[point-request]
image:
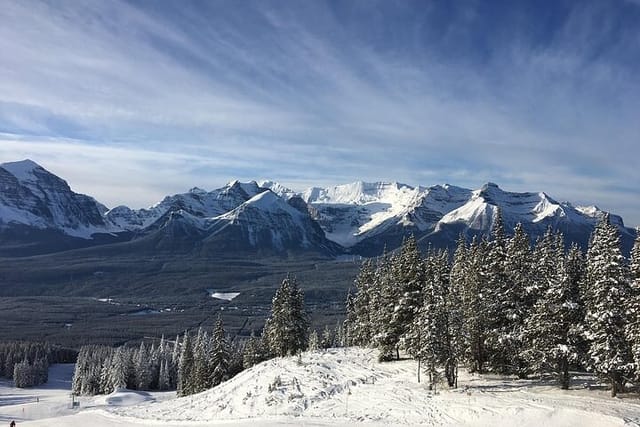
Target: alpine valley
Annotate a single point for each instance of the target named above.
(164, 265)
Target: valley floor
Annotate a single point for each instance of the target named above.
(332, 387)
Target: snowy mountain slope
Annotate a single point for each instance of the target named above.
(267, 221)
(360, 218)
(32, 196)
(196, 202)
(535, 211)
(351, 213)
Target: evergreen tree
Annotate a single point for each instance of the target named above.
(606, 312)
(119, 370)
(456, 340)
(186, 367)
(409, 281)
(474, 301)
(327, 338)
(286, 328)
(428, 334)
(252, 353)
(361, 328)
(220, 355)
(142, 369)
(498, 339)
(314, 341)
(514, 294)
(633, 328)
(201, 363)
(554, 327)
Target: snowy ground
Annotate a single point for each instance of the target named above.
(335, 387)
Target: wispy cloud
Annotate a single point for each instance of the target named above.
(170, 95)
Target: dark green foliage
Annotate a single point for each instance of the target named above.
(102, 369)
(285, 330)
(608, 289)
(32, 357)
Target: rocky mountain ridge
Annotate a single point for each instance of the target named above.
(266, 217)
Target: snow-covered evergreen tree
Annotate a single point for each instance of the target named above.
(554, 331)
(253, 353)
(456, 340)
(201, 364)
(314, 341)
(409, 281)
(327, 338)
(474, 301)
(186, 367)
(142, 368)
(633, 328)
(360, 327)
(285, 330)
(220, 355)
(513, 295)
(499, 308)
(606, 306)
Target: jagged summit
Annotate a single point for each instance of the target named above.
(23, 170)
(359, 217)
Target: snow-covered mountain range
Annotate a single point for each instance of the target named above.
(359, 218)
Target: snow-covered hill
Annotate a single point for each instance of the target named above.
(359, 218)
(342, 387)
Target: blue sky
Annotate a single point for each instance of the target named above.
(130, 101)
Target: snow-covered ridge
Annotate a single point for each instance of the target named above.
(349, 214)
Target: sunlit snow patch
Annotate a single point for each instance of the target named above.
(227, 296)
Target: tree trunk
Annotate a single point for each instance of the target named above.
(418, 370)
(614, 385)
(564, 372)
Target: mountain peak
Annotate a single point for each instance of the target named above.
(23, 169)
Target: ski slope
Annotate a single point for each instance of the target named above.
(335, 387)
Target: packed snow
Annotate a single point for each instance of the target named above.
(227, 296)
(332, 387)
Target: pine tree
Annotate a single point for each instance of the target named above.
(286, 328)
(201, 363)
(428, 334)
(220, 355)
(499, 319)
(554, 327)
(513, 295)
(606, 314)
(633, 328)
(252, 353)
(186, 367)
(142, 368)
(456, 340)
(119, 370)
(327, 338)
(408, 278)
(383, 296)
(314, 341)
(474, 301)
(164, 382)
(361, 328)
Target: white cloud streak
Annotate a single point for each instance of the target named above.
(129, 104)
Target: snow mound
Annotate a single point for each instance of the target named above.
(348, 386)
(125, 397)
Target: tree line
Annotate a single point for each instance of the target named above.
(27, 363)
(195, 362)
(506, 306)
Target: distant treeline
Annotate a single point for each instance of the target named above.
(195, 362)
(27, 363)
